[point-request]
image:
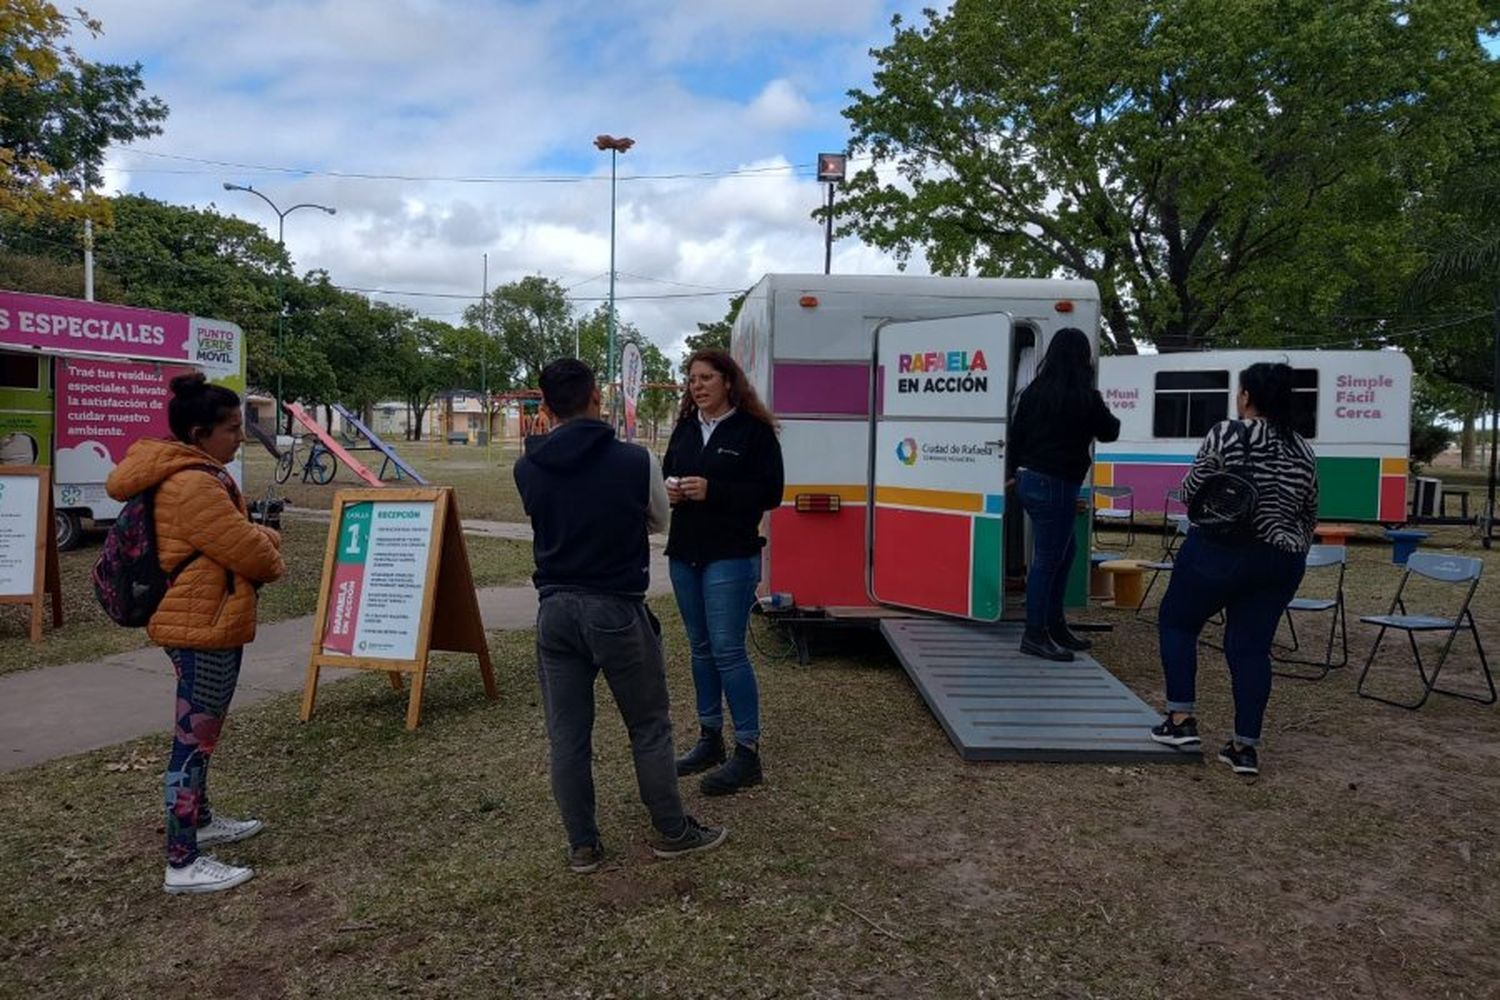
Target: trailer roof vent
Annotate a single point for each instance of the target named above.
(808, 302)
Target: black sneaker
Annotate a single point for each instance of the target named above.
(706, 753)
(1066, 638)
(587, 859)
(1177, 734)
(695, 837)
(742, 771)
(1244, 760)
(1042, 645)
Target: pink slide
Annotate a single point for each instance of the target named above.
(338, 450)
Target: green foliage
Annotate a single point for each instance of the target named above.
(713, 335)
(59, 113)
(533, 321)
(1213, 165)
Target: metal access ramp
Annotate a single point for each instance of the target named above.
(996, 704)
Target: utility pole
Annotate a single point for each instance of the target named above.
(831, 170)
(615, 146)
(484, 354)
(280, 292)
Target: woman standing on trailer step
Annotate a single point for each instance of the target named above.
(1250, 578)
(1057, 420)
(204, 535)
(723, 469)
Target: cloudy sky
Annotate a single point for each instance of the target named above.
(479, 118)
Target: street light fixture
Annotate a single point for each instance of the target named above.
(280, 297)
(615, 146)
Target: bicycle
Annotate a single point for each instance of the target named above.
(319, 467)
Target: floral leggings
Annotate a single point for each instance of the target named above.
(205, 683)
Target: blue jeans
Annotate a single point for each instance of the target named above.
(715, 600)
(1052, 505)
(1251, 583)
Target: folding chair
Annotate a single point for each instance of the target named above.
(1442, 569)
(1114, 513)
(1169, 556)
(1171, 519)
(1324, 558)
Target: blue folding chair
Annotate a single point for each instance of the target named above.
(1321, 560)
(1441, 568)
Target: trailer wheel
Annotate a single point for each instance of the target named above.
(69, 529)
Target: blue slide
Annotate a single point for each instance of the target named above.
(391, 458)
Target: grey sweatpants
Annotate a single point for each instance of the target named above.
(579, 635)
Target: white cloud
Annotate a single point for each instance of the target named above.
(469, 88)
(780, 106)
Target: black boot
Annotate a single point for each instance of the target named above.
(742, 771)
(1067, 639)
(708, 751)
(1039, 643)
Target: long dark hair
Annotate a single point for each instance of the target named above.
(742, 395)
(1269, 386)
(1065, 382)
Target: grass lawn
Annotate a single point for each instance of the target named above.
(480, 477)
(88, 635)
(1365, 862)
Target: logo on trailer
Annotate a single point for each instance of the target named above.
(906, 451)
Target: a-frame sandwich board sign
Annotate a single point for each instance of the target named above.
(29, 571)
(395, 557)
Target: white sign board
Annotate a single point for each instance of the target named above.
(941, 368)
(20, 499)
(380, 580)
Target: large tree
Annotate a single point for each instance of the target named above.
(59, 113)
(1210, 164)
(532, 320)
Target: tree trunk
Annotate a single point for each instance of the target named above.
(1466, 440)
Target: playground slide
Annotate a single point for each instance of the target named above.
(338, 450)
(259, 433)
(379, 445)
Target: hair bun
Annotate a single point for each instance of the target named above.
(190, 384)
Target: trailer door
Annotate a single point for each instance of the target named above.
(937, 476)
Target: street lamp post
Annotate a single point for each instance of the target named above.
(280, 296)
(616, 146)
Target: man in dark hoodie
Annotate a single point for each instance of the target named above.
(592, 501)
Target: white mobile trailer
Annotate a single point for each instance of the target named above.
(894, 395)
(1354, 407)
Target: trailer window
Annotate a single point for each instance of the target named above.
(1305, 402)
(20, 371)
(1187, 404)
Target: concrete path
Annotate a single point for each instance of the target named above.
(59, 711)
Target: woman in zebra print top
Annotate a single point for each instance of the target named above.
(1252, 580)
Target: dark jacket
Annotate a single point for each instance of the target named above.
(589, 497)
(742, 463)
(1058, 444)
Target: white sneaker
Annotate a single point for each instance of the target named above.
(206, 874)
(223, 830)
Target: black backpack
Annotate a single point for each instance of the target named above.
(1224, 505)
(128, 579)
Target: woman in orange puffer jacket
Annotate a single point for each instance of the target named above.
(219, 559)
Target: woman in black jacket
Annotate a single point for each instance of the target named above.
(1057, 420)
(723, 469)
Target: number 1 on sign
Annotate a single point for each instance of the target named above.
(353, 549)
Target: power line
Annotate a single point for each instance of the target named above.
(779, 170)
(572, 298)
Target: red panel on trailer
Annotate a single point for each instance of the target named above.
(820, 558)
(1392, 498)
(939, 581)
